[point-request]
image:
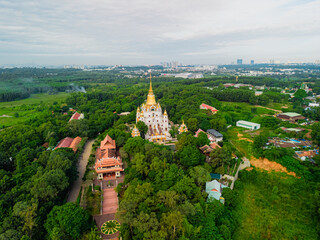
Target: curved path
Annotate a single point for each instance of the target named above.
(81, 166)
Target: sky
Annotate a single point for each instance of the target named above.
(134, 32)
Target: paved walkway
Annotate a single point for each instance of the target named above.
(110, 201)
(81, 166)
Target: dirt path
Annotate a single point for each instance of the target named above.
(278, 111)
(308, 134)
(245, 139)
(267, 165)
(81, 166)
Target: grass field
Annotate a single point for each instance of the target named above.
(37, 99)
(273, 206)
(18, 113)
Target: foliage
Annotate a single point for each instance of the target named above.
(143, 128)
(315, 134)
(68, 221)
(283, 213)
(260, 141)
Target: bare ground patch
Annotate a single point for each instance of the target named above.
(267, 165)
(245, 139)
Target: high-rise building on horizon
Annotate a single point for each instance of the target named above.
(239, 61)
(252, 62)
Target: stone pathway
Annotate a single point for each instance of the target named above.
(81, 166)
(110, 201)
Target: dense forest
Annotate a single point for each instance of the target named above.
(163, 194)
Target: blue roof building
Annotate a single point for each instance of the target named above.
(214, 189)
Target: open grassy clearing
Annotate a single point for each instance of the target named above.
(13, 113)
(273, 206)
(37, 99)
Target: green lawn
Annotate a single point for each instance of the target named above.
(36, 99)
(26, 108)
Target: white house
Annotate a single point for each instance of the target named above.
(218, 137)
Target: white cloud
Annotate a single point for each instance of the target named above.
(141, 31)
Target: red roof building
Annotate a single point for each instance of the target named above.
(108, 165)
(207, 107)
(199, 131)
(69, 143)
(76, 116)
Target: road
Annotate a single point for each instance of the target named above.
(81, 166)
(275, 110)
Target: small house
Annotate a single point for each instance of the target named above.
(76, 116)
(218, 137)
(214, 189)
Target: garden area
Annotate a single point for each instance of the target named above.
(110, 227)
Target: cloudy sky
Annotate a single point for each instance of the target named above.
(58, 32)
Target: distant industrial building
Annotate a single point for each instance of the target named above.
(239, 61)
(249, 125)
(189, 75)
(290, 117)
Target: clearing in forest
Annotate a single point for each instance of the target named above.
(268, 165)
(246, 139)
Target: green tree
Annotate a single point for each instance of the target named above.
(192, 124)
(315, 134)
(200, 175)
(134, 145)
(190, 156)
(300, 94)
(260, 141)
(172, 223)
(219, 124)
(79, 127)
(68, 221)
(143, 128)
(202, 139)
(46, 185)
(27, 212)
(270, 122)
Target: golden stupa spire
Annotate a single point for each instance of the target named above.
(151, 100)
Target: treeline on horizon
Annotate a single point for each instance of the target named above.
(20, 83)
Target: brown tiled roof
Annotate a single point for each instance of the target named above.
(108, 142)
(215, 145)
(64, 143)
(69, 143)
(74, 143)
(108, 162)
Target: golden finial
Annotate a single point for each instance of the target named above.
(150, 83)
(151, 100)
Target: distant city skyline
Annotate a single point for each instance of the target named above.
(144, 32)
